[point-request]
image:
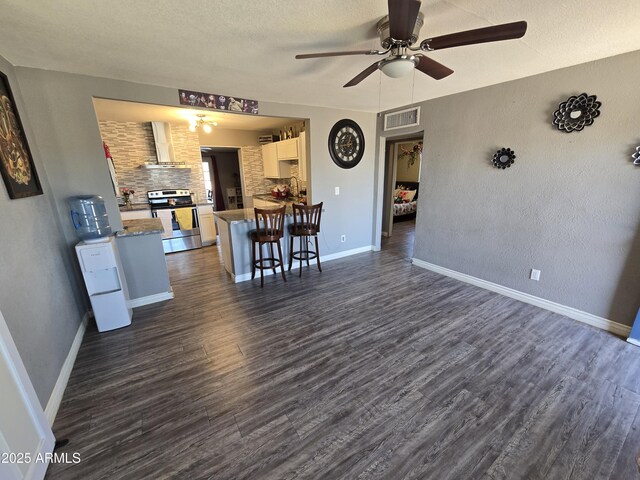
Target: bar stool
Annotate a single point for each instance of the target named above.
(272, 231)
(306, 223)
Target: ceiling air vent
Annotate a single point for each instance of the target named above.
(402, 119)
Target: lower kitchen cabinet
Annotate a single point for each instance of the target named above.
(207, 225)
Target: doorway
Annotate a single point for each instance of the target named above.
(402, 168)
(25, 435)
(222, 178)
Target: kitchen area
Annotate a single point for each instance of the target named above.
(168, 167)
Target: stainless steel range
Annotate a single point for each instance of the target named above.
(179, 216)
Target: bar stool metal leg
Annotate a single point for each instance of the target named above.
(317, 253)
(273, 257)
(253, 260)
(281, 262)
(261, 265)
(290, 251)
(300, 255)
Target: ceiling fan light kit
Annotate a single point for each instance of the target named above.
(399, 31)
(200, 122)
(398, 66)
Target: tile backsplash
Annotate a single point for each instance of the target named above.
(131, 145)
(253, 174)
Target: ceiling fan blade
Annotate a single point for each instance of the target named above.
(432, 68)
(362, 75)
(337, 54)
(402, 18)
(506, 31)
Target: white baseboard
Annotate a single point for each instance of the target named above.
(323, 258)
(55, 399)
(574, 313)
(149, 299)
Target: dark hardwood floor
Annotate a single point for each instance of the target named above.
(373, 368)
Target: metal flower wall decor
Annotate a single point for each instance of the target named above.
(504, 158)
(576, 113)
(636, 156)
(413, 154)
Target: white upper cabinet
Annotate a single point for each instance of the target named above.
(273, 165)
(287, 149)
(302, 156)
(270, 161)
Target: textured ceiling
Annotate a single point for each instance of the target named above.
(246, 47)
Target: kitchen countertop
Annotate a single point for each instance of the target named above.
(243, 215)
(145, 206)
(135, 206)
(286, 200)
(141, 226)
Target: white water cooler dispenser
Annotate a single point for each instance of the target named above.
(107, 287)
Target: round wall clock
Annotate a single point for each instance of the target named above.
(346, 143)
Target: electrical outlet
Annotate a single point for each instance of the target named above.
(337, 190)
(535, 275)
(343, 238)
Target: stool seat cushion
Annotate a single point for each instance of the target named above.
(299, 230)
(256, 235)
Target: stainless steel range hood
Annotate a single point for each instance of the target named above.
(164, 148)
(162, 138)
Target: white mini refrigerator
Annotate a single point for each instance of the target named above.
(107, 287)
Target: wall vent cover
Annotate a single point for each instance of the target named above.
(402, 119)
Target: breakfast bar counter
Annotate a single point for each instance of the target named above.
(234, 227)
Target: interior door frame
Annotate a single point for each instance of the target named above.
(390, 172)
(211, 153)
(9, 354)
(380, 176)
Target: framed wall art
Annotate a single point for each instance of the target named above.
(218, 102)
(16, 163)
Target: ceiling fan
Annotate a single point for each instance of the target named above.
(399, 32)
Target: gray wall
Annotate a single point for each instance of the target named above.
(64, 122)
(350, 213)
(36, 298)
(569, 206)
(41, 291)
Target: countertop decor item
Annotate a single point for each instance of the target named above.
(280, 191)
(16, 163)
(636, 156)
(576, 113)
(346, 143)
(504, 158)
(127, 193)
